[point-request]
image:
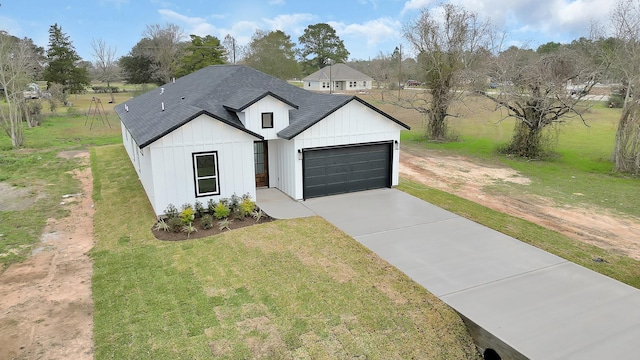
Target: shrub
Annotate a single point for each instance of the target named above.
(175, 224)
(211, 206)
(206, 222)
(257, 214)
(246, 207)
(189, 228)
(199, 209)
(161, 225)
(224, 224)
(234, 203)
(221, 210)
(171, 211)
(187, 215)
(616, 101)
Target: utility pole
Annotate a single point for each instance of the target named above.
(399, 69)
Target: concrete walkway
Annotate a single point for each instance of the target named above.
(280, 206)
(516, 299)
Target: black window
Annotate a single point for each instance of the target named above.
(267, 120)
(205, 169)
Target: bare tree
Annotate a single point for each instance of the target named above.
(17, 65)
(380, 69)
(165, 47)
(448, 47)
(625, 20)
(106, 63)
(539, 91)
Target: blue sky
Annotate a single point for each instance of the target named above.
(367, 27)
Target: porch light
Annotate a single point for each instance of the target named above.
(396, 144)
(299, 154)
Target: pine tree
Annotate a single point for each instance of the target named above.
(63, 63)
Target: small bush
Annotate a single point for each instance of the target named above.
(189, 228)
(246, 207)
(187, 215)
(161, 225)
(200, 210)
(258, 215)
(211, 206)
(171, 211)
(221, 211)
(224, 224)
(206, 222)
(616, 101)
(175, 224)
(234, 203)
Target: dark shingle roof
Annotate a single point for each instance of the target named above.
(219, 91)
(337, 72)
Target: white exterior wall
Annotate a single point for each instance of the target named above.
(359, 85)
(252, 117)
(282, 165)
(170, 174)
(354, 123)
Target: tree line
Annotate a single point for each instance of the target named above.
(455, 54)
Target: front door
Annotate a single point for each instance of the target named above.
(261, 163)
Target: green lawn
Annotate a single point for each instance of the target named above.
(45, 176)
(578, 172)
(284, 289)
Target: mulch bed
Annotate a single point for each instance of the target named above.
(235, 224)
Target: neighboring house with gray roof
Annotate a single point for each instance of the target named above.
(338, 77)
(229, 129)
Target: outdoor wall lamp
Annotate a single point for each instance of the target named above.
(299, 154)
(396, 144)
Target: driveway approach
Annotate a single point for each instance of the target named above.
(528, 300)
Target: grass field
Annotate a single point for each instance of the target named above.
(578, 172)
(296, 288)
(285, 289)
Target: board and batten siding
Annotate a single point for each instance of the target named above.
(282, 165)
(252, 118)
(353, 123)
(171, 173)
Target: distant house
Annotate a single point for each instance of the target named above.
(229, 129)
(338, 77)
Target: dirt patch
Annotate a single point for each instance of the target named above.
(13, 198)
(47, 308)
(467, 179)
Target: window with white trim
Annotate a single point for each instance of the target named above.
(205, 171)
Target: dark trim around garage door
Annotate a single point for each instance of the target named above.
(346, 168)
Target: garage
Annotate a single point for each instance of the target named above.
(344, 169)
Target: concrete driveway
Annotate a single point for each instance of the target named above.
(526, 302)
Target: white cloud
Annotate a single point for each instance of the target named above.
(277, 2)
(415, 4)
(292, 24)
(374, 31)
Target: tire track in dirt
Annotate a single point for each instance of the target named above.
(46, 307)
(466, 179)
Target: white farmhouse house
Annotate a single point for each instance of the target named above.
(229, 129)
(338, 77)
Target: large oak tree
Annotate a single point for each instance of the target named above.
(320, 46)
(272, 53)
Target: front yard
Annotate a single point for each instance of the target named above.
(283, 289)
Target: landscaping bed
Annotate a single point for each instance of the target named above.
(201, 233)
